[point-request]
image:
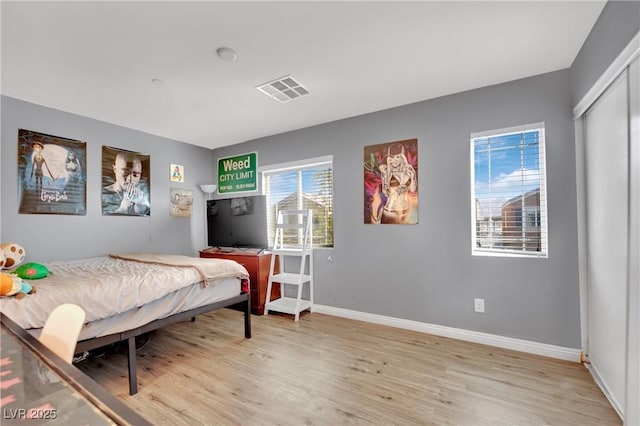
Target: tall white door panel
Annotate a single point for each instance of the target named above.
(632, 407)
(607, 185)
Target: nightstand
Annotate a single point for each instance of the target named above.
(257, 263)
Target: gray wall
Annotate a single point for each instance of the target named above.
(58, 237)
(425, 272)
(618, 23)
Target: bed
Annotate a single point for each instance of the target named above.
(126, 295)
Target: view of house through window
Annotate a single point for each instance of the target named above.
(306, 185)
(508, 190)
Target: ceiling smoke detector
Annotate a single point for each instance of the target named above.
(283, 89)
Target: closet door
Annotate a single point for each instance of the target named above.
(607, 185)
(632, 407)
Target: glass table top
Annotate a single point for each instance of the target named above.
(31, 389)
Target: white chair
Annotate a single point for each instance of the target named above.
(60, 332)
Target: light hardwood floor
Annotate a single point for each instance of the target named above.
(326, 370)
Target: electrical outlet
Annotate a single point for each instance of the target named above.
(478, 305)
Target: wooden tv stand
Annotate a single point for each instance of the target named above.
(257, 263)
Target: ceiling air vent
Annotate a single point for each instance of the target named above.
(283, 89)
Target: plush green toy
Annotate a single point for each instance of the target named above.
(31, 271)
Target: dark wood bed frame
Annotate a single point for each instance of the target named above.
(241, 302)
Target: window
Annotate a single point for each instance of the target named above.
(508, 192)
(302, 185)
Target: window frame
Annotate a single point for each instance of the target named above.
(542, 218)
(298, 165)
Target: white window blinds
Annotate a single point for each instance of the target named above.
(508, 192)
(307, 185)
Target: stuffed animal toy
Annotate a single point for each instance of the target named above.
(11, 255)
(31, 271)
(13, 285)
(7, 285)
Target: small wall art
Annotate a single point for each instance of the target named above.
(51, 174)
(181, 202)
(177, 173)
(391, 183)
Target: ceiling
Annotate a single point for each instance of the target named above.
(152, 66)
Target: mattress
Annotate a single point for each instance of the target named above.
(119, 294)
(181, 300)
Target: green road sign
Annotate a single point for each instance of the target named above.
(238, 174)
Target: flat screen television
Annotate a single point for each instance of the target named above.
(238, 222)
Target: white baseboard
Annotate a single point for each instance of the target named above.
(552, 351)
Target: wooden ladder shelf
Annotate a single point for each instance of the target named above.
(293, 240)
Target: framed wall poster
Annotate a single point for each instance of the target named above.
(181, 202)
(51, 174)
(391, 183)
(126, 182)
(176, 173)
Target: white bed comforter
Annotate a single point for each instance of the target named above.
(106, 286)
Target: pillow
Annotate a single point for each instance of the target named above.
(31, 271)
